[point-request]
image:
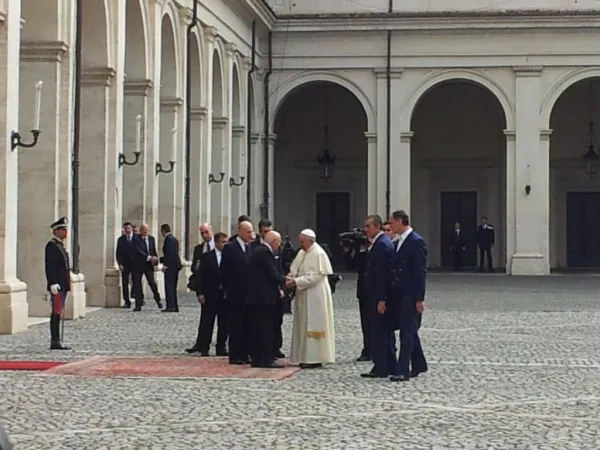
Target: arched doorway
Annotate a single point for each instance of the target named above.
(458, 171)
(575, 183)
(313, 118)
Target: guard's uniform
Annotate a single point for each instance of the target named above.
(58, 277)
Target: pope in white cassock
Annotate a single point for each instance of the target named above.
(313, 336)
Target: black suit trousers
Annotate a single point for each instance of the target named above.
(263, 319)
(239, 332)
(278, 334)
(213, 308)
(171, 280)
(365, 325)
(126, 275)
(147, 271)
(485, 253)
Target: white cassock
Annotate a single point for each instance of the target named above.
(313, 335)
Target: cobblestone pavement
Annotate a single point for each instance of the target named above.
(514, 364)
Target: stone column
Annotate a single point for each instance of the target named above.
(400, 171)
(13, 292)
(531, 256)
(271, 178)
(135, 102)
(210, 34)
(381, 164)
(98, 183)
(238, 172)
(257, 176)
(218, 161)
(511, 193)
(371, 171)
(198, 173)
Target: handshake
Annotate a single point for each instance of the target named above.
(289, 282)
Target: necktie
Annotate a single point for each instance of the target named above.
(247, 247)
(147, 244)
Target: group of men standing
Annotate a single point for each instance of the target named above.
(392, 269)
(240, 282)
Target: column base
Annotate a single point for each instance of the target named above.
(112, 288)
(529, 264)
(14, 310)
(77, 298)
(159, 277)
(184, 276)
(96, 296)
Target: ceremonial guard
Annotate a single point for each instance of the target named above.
(58, 277)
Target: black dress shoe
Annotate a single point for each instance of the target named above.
(372, 375)
(137, 309)
(193, 349)
(205, 354)
(238, 362)
(58, 346)
(363, 358)
(415, 373)
(279, 355)
(398, 378)
(170, 310)
(311, 366)
(222, 353)
(268, 366)
(127, 305)
(159, 304)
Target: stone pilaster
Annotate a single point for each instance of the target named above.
(272, 138)
(210, 35)
(371, 171)
(13, 292)
(257, 177)
(511, 197)
(381, 164)
(237, 179)
(532, 210)
(198, 171)
(218, 160)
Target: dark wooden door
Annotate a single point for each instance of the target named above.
(458, 207)
(583, 229)
(333, 218)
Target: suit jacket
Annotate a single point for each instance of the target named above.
(485, 236)
(266, 278)
(57, 265)
(458, 241)
(377, 270)
(234, 271)
(141, 251)
(408, 270)
(171, 257)
(125, 251)
(208, 280)
(359, 260)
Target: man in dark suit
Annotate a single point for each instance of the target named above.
(145, 259)
(485, 242)
(264, 294)
(207, 244)
(235, 276)
(125, 253)
(58, 279)
(376, 285)
(171, 267)
(457, 245)
(408, 272)
(242, 218)
(211, 296)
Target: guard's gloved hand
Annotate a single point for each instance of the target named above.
(55, 289)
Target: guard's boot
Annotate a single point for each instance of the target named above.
(55, 343)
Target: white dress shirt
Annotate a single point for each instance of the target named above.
(375, 239)
(402, 238)
(219, 255)
(242, 243)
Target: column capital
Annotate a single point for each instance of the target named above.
(395, 73)
(230, 49)
(528, 71)
(48, 51)
(139, 88)
(246, 63)
(185, 15)
(407, 136)
(545, 135)
(371, 137)
(198, 113)
(170, 103)
(238, 131)
(255, 138)
(272, 137)
(220, 122)
(210, 34)
(510, 135)
(99, 76)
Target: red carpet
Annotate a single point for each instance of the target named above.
(172, 367)
(29, 365)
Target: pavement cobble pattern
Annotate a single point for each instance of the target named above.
(514, 364)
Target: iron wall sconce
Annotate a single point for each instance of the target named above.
(15, 140)
(527, 189)
(232, 181)
(213, 179)
(123, 159)
(159, 167)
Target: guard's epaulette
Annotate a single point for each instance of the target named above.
(490, 227)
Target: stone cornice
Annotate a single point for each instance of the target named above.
(50, 51)
(170, 103)
(238, 131)
(371, 137)
(220, 122)
(528, 71)
(436, 21)
(395, 73)
(230, 49)
(97, 76)
(407, 136)
(198, 113)
(137, 87)
(545, 135)
(3, 16)
(510, 135)
(255, 138)
(255, 8)
(210, 34)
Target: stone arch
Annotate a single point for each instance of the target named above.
(41, 20)
(97, 46)
(236, 94)
(282, 92)
(438, 78)
(196, 66)
(170, 85)
(137, 59)
(560, 86)
(218, 83)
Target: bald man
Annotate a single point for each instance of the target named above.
(145, 259)
(264, 292)
(235, 277)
